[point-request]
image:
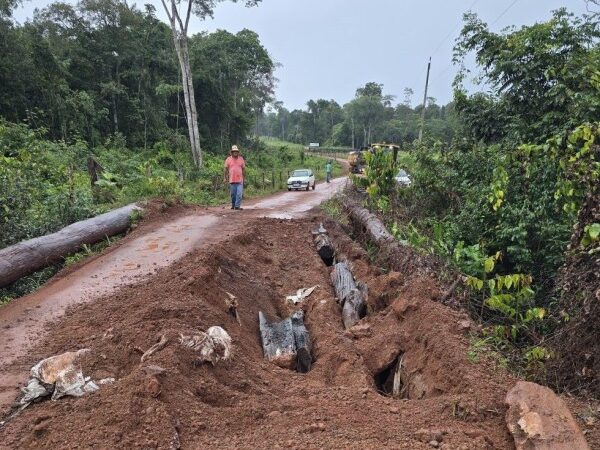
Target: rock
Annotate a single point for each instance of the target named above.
(464, 325)
(359, 330)
(153, 370)
(539, 420)
(313, 427)
(153, 387)
(434, 444)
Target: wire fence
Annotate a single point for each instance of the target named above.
(265, 180)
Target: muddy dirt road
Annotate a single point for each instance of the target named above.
(23, 321)
(449, 398)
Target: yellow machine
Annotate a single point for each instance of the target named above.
(395, 148)
(356, 161)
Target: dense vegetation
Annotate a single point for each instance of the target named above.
(500, 199)
(104, 67)
(101, 80)
(370, 117)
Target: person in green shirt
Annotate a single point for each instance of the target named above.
(328, 170)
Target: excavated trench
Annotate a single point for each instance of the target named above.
(407, 348)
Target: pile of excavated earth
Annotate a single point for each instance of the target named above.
(400, 377)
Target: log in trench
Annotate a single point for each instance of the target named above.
(26, 257)
(350, 295)
(286, 343)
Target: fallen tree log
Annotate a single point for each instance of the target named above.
(373, 226)
(349, 295)
(286, 343)
(400, 257)
(26, 257)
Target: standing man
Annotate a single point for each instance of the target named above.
(235, 170)
(328, 170)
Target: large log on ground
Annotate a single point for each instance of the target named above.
(349, 295)
(286, 343)
(374, 227)
(401, 258)
(26, 257)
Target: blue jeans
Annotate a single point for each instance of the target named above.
(237, 191)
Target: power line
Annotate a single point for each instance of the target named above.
(504, 12)
(454, 30)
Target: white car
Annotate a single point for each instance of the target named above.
(301, 179)
(403, 178)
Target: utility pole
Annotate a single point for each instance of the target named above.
(424, 101)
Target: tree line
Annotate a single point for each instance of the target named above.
(371, 116)
(105, 68)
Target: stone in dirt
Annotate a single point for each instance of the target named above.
(539, 420)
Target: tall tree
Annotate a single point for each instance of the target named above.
(179, 27)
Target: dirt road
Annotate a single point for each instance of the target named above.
(24, 320)
(451, 397)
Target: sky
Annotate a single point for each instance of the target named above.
(329, 48)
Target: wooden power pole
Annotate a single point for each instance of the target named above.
(424, 101)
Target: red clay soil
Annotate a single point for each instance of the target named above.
(248, 402)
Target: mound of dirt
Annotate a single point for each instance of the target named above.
(170, 402)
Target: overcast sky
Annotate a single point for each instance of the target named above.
(328, 48)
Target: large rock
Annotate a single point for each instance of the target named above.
(539, 420)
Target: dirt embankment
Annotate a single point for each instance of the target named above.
(448, 401)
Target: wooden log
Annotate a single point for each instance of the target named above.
(349, 295)
(287, 343)
(26, 257)
(278, 342)
(373, 226)
(302, 341)
(325, 248)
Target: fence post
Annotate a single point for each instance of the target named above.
(280, 179)
(264, 186)
(272, 178)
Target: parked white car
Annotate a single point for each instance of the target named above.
(403, 178)
(301, 179)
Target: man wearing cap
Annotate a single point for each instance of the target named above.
(235, 170)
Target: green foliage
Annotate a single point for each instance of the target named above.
(103, 67)
(379, 178)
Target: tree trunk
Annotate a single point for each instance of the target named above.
(181, 47)
(302, 341)
(325, 248)
(26, 257)
(349, 295)
(286, 343)
(374, 227)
